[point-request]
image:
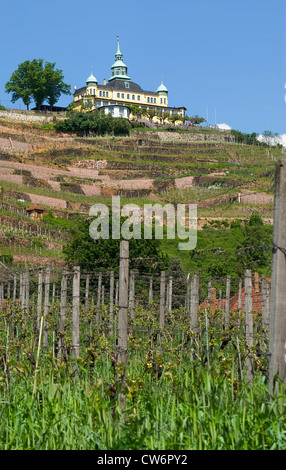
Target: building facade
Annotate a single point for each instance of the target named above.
(120, 92)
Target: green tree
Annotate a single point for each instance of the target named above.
(254, 250)
(94, 122)
(104, 254)
(195, 120)
(174, 118)
(151, 113)
(37, 81)
(54, 83)
(20, 84)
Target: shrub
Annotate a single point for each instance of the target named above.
(93, 122)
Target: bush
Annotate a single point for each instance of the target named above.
(93, 122)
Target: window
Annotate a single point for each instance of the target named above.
(164, 100)
(100, 93)
(126, 84)
(133, 97)
(122, 95)
(151, 100)
(155, 100)
(161, 100)
(148, 100)
(118, 95)
(106, 94)
(128, 96)
(138, 97)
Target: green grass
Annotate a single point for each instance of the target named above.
(173, 402)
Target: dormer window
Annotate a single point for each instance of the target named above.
(126, 84)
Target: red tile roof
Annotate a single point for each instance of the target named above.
(34, 208)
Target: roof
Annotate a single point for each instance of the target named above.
(91, 79)
(162, 88)
(34, 208)
(119, 84)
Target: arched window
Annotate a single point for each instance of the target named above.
(118, 95)
(128, 96)
(138, 97)
(122, 95)
(133, 97)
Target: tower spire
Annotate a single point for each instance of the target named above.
(119, 69)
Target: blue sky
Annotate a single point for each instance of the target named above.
(221, 59)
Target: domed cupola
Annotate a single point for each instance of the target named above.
(119, 69)
(91, 80)
(162, 90)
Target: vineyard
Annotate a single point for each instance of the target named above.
(130, 359)
(105, 352)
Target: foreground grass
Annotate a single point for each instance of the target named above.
(187, 411)
(190, 396)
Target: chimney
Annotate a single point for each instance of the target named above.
(104, 81)
(256, 282)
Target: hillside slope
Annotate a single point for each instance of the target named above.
(66, 174)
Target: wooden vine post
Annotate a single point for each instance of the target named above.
(75, 311)
(248, 324)
(98, 298)
(162, 310)
(15, 289)
(150, 297)
(227, 298)
(123, 316)
(194, 302)
(86, 293)
(46, 304)
(40, 298)
(111, 295)
(170, 294)
(64, 285)
(277, 337)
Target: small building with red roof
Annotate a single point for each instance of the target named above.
(35, 212)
